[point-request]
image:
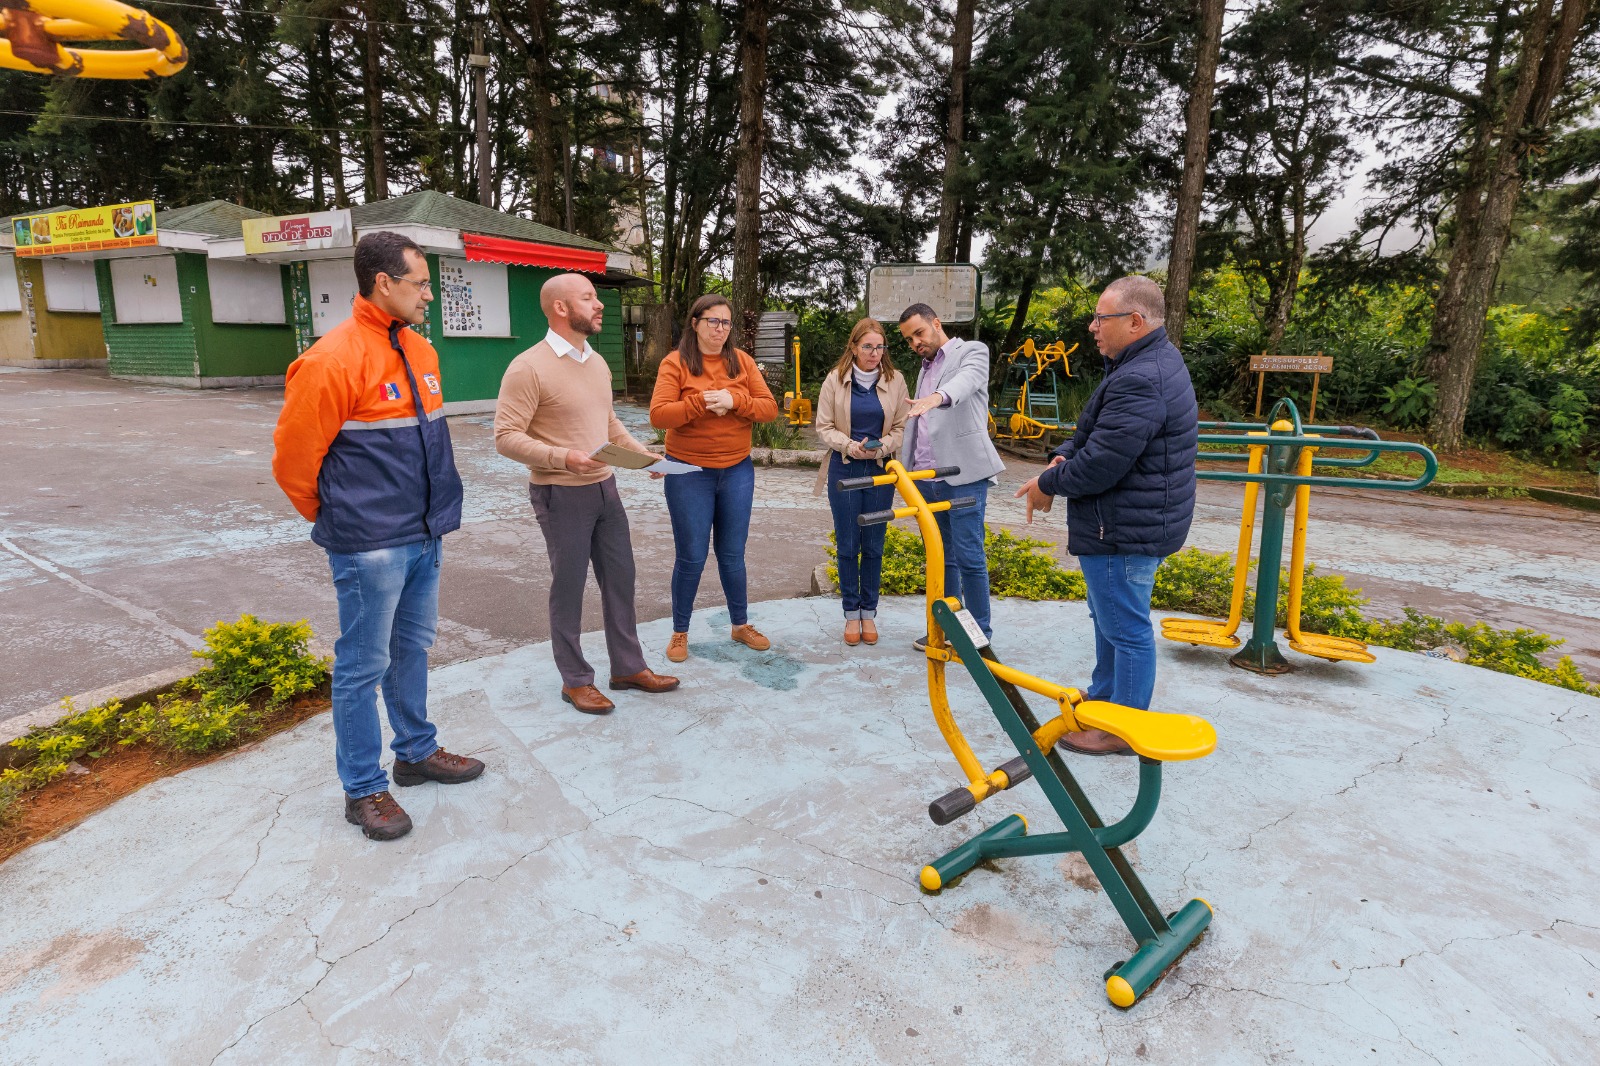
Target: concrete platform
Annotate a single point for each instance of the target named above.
(1402, 858)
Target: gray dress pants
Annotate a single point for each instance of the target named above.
(584, 524)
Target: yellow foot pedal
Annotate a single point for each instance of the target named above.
(1334, 649)
(1198, 631)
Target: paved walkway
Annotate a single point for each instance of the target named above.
(1401, 857)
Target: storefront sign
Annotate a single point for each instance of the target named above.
(92, 229)
(298, 233)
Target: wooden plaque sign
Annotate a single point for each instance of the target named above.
(1305, 364)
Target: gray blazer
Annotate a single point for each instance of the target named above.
(960, 432)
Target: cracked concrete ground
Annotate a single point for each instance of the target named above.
(136, 516)
(1401, 857)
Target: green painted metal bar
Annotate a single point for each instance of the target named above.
(1261, 655)
(1013, 847)
(1115, 883)
(1152, 959)
(1140, 814)
(964, 856)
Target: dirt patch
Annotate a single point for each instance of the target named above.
(1006, 934)
(1075, 868)
(62, 804)
(80, 962)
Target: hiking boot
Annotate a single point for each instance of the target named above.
(587, 699)
(678, 647)
(378, 815)
(441, 766)
(1095, 742)
(645, 680)
(750, 637)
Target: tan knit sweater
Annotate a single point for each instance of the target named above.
(549, 404)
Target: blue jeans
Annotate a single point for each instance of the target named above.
(860, 549)
(1124, 641)
(388, 610)
(710, 507)
(966, 567)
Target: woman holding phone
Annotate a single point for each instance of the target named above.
(708, 393)
(861, 418)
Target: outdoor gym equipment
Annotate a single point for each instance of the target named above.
(795, 404)
(1273, 450)
(31, 32)
(1029, 404)
(954, 636)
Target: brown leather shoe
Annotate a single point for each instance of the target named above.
(441, 766)
(587, 699)
(378, 815)
(869, 631)
(646, 680)
(852, 631)
(678, 647)
(1096, 742)
(750, 637)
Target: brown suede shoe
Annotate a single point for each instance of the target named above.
(1095, 742)
(678, 647)
(750, 637)
(441, 766)
(378, 815)
(869, 631)
(852, 631)
(587, 699)
(646, 680)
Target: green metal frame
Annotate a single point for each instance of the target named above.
(1260, 654)
(1161, 938)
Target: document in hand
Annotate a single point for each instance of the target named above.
(628, 459)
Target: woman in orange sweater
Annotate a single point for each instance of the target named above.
(708, 393)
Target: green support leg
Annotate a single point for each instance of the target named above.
(1261, 654)
(953, 864)
(1127, 981)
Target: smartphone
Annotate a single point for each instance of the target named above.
(871, 444)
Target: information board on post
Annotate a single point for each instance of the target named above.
(951, 289)
(1315, 365)
(312, 231)
(92, 229)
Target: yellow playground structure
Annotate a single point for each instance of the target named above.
(32, 32)
(954, 637)
(795, 405)
(1028, 405)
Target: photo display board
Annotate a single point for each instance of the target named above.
(146, 290)
(474, 299)
(10, 294)
(333, 290)
(69, 285)
(951, 289)
(249, 293)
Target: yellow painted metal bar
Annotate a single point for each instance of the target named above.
(1247, 533)
(1297, 543)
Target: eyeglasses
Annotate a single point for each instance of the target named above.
(1095, 320)
(868, 349)
(425, 285)
(718, 323)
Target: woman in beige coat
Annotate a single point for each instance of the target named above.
(861, 418)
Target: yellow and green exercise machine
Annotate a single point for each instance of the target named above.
(953, 636)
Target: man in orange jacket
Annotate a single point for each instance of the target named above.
(362, 449)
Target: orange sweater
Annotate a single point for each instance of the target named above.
(694, 434)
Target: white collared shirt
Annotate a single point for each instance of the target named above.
(559, 343)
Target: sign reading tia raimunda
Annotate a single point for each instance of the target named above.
(298, 233)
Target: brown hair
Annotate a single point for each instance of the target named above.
(689, 341)
(862, 328)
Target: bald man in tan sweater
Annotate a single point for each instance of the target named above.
(554, 410)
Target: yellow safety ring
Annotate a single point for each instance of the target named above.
(931, 879)
(31, 32)
(1119, 992)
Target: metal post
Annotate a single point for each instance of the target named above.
(479, 62)
(1261, 654)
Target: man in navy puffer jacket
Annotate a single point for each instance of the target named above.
(1128, 475)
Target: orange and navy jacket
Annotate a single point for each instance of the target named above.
(362, 447)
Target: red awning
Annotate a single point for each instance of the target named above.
(482, 249)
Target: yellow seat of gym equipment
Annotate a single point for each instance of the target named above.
(1165, 737)
(1198, 631)
(1334, 649)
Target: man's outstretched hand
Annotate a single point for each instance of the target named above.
(1038, 500)
(926, 404)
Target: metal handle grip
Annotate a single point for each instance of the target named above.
(949, 807)
(1016, 771)
(846, 484)
(963, 503)
(946, 471)
(874, 518)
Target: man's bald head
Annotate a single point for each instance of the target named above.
(1139, 293)
(571, 305)
(1128, 309)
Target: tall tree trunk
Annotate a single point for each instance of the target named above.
(754, 31)
(1461, 310)
(377, 171)
(955, 134)
(538, 87)
(1191, 187)
(1288, 280)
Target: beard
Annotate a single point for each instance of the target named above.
(588, 326)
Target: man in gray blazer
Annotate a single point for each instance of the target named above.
(948, 425)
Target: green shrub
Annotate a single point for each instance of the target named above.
(775, 434)
(192, 722)
(253, 658)
(1409, 402)
(44, 754)
(1197, 582)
